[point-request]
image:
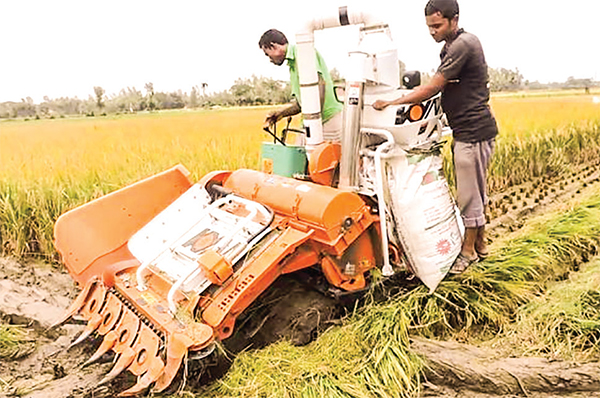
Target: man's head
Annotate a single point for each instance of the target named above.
(441, 17)
(274, 45)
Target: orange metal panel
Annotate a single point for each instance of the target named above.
(254, 278)
(215, 267)
(323, 162)
(104, 225)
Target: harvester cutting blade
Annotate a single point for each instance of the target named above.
(76, 305)
(125, 359)
(155, 370)
(92, 325)
(109, 341)
(126, 330)
(147, 347)
(177, 348)
(111, 314)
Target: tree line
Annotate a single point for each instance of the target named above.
(244, 92)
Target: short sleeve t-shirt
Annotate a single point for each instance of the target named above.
(331, 105)
(465, 98)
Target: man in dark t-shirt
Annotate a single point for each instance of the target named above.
(462, 78)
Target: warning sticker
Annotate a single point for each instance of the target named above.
(267, 166)
(303, 188)
(149, 298)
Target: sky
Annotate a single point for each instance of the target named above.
(63, 48)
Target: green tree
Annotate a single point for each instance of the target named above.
(150, 96)
(99, 92)
(243, 91)
(194, 97)
(505, 79)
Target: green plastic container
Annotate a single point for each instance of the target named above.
(283, 160)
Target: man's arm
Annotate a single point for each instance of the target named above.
(294, 107)
(290, 110)
(421, 93)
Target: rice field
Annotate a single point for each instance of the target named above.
(543, 136)
(48, 167)
(51, 166)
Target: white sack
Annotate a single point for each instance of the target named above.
(427, 222)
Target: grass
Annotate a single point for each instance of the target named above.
(563, 323)
(366, 357)
(14, 341)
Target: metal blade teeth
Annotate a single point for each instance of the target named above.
(136, 341)
(125, 359)
(92, 325)
(177, 348)
(156, 369)
(76, 305)
(108, 343)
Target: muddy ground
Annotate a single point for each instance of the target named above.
(36, 294)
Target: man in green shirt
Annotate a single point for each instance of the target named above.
(275, 46)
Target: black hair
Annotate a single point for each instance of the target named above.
(448, 8)
(272, 36)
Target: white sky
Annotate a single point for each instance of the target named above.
(66, 47)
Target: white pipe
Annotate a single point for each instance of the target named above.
(387, 268)
(309, 88)
(307, 68)
(342, 16)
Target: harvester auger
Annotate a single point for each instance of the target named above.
(166, 265)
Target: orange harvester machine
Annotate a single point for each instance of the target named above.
(166, 266)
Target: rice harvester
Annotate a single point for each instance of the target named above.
(167, 265)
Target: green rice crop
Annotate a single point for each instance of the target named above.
(564, 322)
(367, 356)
